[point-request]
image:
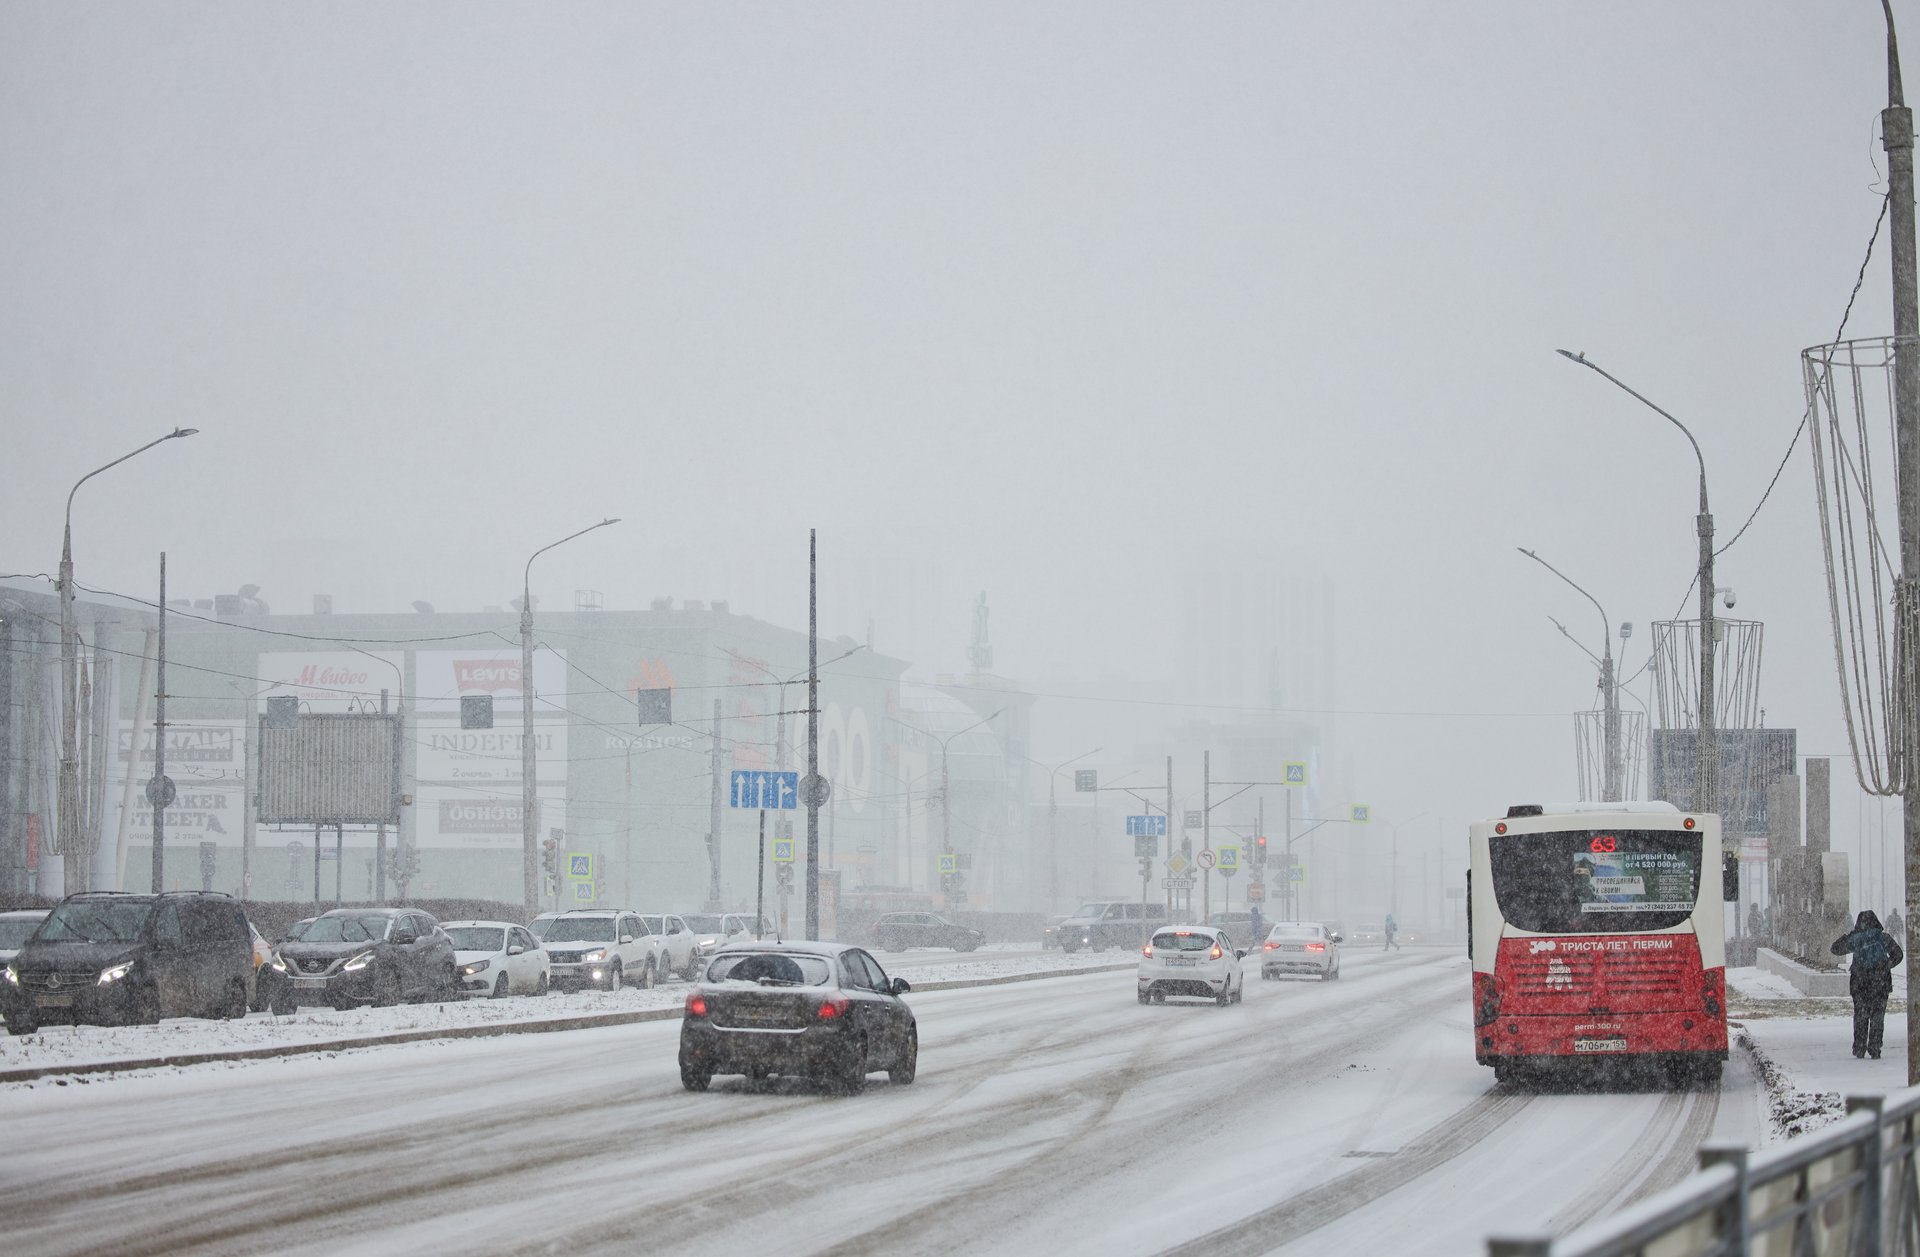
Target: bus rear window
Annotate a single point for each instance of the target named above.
(1595, 881)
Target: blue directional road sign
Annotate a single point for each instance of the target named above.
(1146, 827)
(765, 790)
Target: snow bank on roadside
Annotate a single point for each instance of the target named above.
(1801, 1048)
(57, 1047)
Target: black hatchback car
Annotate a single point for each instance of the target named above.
(823, 1011)
(111, 958)
(352, 956)
(897, 931)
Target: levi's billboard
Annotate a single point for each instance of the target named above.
(443, 677)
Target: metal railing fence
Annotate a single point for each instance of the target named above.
(1851, 1189)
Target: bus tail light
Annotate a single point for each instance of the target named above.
(1711, 984)
(1486, 999)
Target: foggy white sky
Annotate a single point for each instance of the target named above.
(1074, 303)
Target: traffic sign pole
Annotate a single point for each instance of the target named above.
(760, 882)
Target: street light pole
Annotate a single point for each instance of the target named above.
(76, 865)
(946, 803)
(529, 821)
(1707, 770)
(1896, 131)
(1609, 690)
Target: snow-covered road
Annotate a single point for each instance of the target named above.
(1051, 1116)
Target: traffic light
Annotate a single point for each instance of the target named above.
(550, 857)
(1260, 851)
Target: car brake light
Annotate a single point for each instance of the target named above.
(1270, 946)
(1147, 951)
(833, 1008)
(1215, 953)
(696, 1005)
(1316, 947)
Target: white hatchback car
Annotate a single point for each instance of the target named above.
(497, 958)
(1198, 961)
(1307, 947)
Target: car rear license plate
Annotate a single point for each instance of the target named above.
(1292, 947)
(1599, 1045)
(1186, 961)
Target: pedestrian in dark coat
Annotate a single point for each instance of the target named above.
(1869, 979)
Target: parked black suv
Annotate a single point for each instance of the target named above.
(112, 958)
(376, 956)
(897, 931)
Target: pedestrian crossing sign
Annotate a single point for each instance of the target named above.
(1294, 774)
(949, 863)
(580, 865)
(783, 851)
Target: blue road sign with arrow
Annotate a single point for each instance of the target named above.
(765, 790)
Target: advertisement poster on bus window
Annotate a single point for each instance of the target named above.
(1633, 881)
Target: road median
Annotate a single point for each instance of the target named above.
(533, 1025)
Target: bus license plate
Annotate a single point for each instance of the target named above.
(1599, 1045)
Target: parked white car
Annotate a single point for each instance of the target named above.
(713, 929)
(599, 947)
(498, 958)
(1197, 961)
(676, 947)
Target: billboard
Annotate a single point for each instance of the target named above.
(441, 678)
(446, 752)
(450, 817)
(330, 768)
(207, 761)
(1750, 760)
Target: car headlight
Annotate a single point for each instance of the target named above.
(594, 956)
(109, 976)
(13, 974)
(468, 970)
(278, 961)
(361, 961)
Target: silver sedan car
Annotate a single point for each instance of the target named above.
(1304, 947)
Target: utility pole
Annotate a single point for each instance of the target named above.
(380, 840)
(1206, 832)
(813, 735)
(1170, 834)
(713, 821)
(529, 767)
(1896, 132)
(157, 788)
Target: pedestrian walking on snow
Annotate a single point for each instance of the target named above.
(1869, 979)
(1390, 931)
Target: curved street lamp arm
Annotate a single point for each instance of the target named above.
(526, 576)
(1576, 641)
(1605, 624)
(1581, 358)
(970, 728)
(177, 432)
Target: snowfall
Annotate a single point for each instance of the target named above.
(1052, 1113)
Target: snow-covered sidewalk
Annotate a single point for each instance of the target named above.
(80, 1047)
(1802, 1050)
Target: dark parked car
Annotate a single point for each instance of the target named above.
(352, 956)
(897, 931)
(824, 1011)
(110, 958)
(1104, 923)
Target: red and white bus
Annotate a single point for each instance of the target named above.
(1596, 934)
